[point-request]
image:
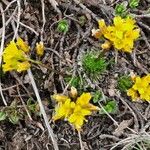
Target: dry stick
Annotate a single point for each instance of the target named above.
(86, 9)
(8, 21)
(50, 131)
(141, 16)
(18, 19)
(145, 39)
(55, 4)
(80, 139)
(8, 5)
(26, 26)
(44, 20)
(1, 51)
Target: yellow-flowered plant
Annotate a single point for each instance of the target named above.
(121, 34)
(15, 57)
(73, 108)
(140, 89)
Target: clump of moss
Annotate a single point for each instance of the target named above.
(124, 83)
(94, 64)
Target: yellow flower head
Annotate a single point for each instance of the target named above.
(73, 110)
(140, 89)
(121, 34)
(14, 58)
(40, 48)
(22, 45)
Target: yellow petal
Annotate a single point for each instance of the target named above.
(23, 66)
(59, 97)
(22, 45)
(73, 92)
(84, 99)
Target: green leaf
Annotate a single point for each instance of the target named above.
(111, 107)
(97, 96)
(133, 3)
(124, 83)
(14, 118)
(63, 26)
(82, 20)
(2, 115)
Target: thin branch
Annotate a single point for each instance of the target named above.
(18, 19)
(44, 19)
(1, 51)
(80, 140)
(26, 26)
(50, 131)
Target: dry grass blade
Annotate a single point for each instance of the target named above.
(1, 50)
(50, 131)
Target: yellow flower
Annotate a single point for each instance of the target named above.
(74, 110)
(22, 45)
(14, 58)
(140, 89)
(121, 34)
(40, 48)
(63, 110)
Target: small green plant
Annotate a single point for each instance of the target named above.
(121, 9)
(33, 107)
(124, 83)
(97, 96)
(133, 3)
(63, 26)
(13, 113)
(111, 107)
(94, 64)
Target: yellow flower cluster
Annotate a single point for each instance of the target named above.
(121, 34)
(14, 56)
(74, 110)
(140, 89)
